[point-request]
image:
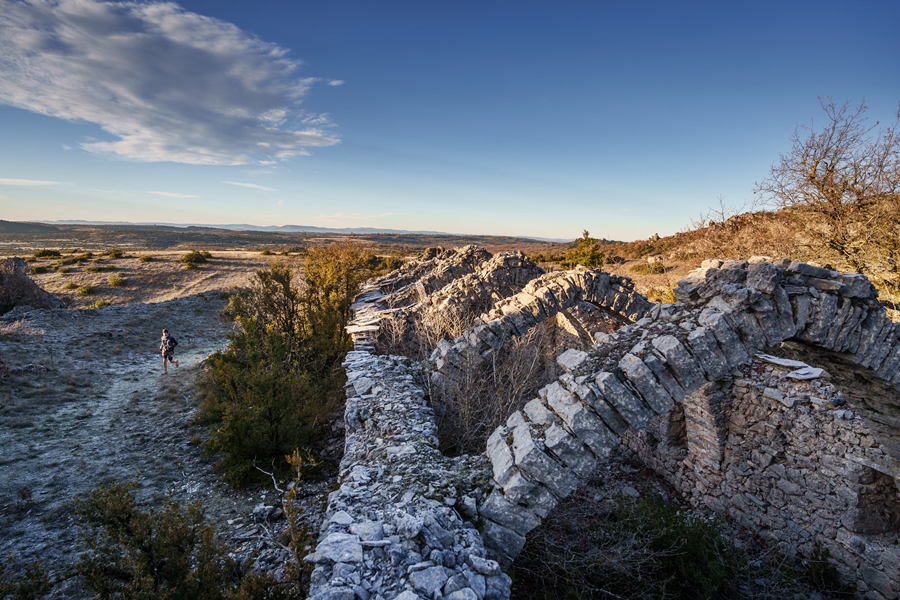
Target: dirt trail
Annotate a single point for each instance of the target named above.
(86, 402)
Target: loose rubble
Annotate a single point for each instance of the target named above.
(400, 525)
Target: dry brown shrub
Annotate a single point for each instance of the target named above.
(483, 392)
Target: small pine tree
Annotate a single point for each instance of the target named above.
(586, 253)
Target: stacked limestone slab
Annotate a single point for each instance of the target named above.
(728, 312)
(785, 453)
(399, 525)
(672, 360)
(542, 298)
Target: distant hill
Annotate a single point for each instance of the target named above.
(290, 228)
(16, 227)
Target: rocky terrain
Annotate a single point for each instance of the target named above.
(84, 401)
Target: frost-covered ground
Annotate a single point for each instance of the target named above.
(85, 402)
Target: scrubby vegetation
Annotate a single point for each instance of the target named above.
(117, 280)
(37, 269)
(31, 583)
(194, 258)
(168, 553)
(278, 384)
(47, 254)
(586, 253)
(84, 290)
(593, 546)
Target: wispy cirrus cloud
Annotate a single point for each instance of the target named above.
(4, 181)
(173, 195)
(165, 83)
(253, 186)
(336, 82)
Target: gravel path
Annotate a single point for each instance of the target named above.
(85, 402)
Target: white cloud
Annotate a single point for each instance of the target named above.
(173, 194)
(166, 84)
(321, 120)
(254, 186)
(27, 182)
(336, 82)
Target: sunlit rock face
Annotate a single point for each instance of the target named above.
(805, 456)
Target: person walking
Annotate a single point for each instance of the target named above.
(167, 349)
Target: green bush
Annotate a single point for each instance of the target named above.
(385, 264)
(630, 548)
(84, 290)
(586, 253)
(63, 270)
(117, 281)
(37, 269)
(31, 583)
(592, 546)
(279, 382)
(99, 269)
(194, 258)
(47, 254)
(168, 553)
(70, 285)
(145, 259)
(114, 253)
(99, 304)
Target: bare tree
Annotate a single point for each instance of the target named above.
(844, 179)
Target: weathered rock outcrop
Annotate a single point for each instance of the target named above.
(642, 371)
(737, 437)
(17, 288)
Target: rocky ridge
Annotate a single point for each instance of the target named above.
(727, 313)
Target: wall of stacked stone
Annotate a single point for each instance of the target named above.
(470, 294)
(542, 298)
(673, 369)
(401, 523)
(399, 526)
(728, 312)
(791, 460)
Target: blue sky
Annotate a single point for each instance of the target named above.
(515, 118)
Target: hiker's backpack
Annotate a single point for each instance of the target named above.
(171, 343)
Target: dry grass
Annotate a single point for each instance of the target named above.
(152, 278)
(18, 328)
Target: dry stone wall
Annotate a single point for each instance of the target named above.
(789, 458)
(737, 437)
(728, 313)
(542, 298)
(400, 524)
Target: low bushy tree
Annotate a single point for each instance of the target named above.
(164, 554)
(586, 253)
(280, 380)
